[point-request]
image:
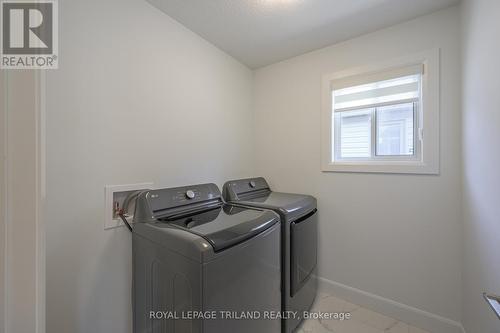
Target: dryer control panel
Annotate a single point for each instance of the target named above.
(238, 189)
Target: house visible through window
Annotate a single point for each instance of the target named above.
(377, 118)
(395, 130)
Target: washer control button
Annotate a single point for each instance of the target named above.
(190, 194)
(252, 184)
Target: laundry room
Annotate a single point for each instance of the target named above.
(220, 166)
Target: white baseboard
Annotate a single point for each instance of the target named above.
(405, 313)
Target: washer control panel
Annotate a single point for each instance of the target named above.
(187, 194)
(168, 198)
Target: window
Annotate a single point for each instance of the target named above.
(377, 119)
(374, 120)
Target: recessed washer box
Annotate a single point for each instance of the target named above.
(117, 194)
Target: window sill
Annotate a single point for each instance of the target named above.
(401, 167)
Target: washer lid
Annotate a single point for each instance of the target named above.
(224, 226)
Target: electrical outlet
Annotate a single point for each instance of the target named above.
(114, 196)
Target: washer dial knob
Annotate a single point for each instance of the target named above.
(190, 194)
(252, 184)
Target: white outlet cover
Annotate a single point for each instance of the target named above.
(109, 190)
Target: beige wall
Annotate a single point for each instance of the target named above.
(396, 236)
(137, 97)
(21, 231)
(3, 176)
(481, 137)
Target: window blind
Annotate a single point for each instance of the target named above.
(400, 85)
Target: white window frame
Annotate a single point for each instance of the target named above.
(426, 158)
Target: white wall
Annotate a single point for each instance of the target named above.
(137, 98)
(396, 236)
(481, 136)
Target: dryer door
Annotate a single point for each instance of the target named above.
(304, 250)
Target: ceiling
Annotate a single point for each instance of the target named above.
(261, 32)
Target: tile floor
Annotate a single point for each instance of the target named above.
(361, 321)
